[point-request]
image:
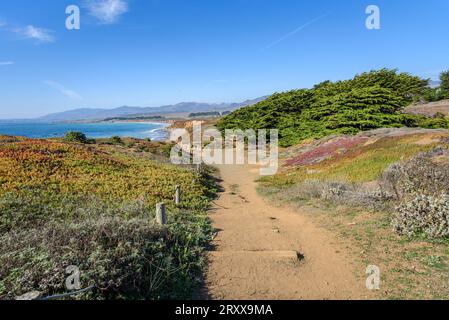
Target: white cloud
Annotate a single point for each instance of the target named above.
(38, 34)
(67, 92)
(107, 11)
(6, 63)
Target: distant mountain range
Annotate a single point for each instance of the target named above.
(93, 114)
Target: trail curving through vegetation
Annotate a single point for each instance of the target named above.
(266, 252)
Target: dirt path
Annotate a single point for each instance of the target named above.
(265, 252)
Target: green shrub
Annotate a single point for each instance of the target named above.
(368, 101)
(116, 140)
(74, 136)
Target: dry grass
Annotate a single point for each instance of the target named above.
(410, 269)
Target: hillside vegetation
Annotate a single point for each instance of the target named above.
(80, 169)
(368, 101)
(385, 191)
(92, 206)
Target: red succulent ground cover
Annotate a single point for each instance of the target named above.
(326, 150)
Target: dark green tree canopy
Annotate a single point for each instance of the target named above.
(370, 100)
(74, 136)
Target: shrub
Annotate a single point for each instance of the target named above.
(116, 140)
(338, 193)
(422, 174)
(74, 136)
(355, 195)
(422, 186)
(333, 190)
(112, 254)
(117, 247)
(391, 177)
(425, 216)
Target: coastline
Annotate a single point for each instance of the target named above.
(166, 124)
(156, 130)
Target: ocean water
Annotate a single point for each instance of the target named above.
(141, 130)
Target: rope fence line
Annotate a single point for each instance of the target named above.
(69, 294)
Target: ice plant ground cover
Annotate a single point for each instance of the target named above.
(360, 158)
(325, 151)
(92, 206)
(92, 170)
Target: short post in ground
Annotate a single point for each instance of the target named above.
(161, 214)
(178, 195)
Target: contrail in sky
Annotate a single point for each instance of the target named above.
(288, 35)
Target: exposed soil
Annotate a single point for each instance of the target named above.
(266, 252)
(429, 109)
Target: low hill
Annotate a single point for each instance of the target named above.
(370, 100)
(132, 112)
(89, 114)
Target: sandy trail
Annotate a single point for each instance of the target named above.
(258, 250)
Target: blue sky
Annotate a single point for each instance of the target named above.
(157, 52)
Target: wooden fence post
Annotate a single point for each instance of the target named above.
(178, 195)
(161, 214)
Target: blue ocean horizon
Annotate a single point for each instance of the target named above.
(140, 130)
